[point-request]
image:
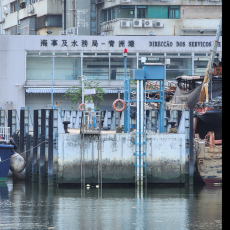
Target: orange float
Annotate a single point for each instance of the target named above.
(79, 107)
(123, 103)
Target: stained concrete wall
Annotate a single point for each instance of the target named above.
(201, 12)
(165, 158)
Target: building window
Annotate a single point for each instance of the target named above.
(157, 11)
(104, 15)
(109, 14)
(96, 68)
(174, 12)
(13, 7)
(113, 13)
(117, 68)
(65, 68)
(48, 21)
(141, 11)
(178, 67)
(126, 12)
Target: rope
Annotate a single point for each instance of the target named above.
(23, 152)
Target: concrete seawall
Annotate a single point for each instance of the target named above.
(165, 158)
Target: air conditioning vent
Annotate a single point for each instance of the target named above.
(29, 9)
(148, 23)
(137, 23)
(125, 24)
(158, 24)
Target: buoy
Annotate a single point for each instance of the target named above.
(17, 163)
(123, 103)
(79, 107)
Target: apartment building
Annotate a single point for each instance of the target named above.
(110, 17)
(159, 17)
(30, 17)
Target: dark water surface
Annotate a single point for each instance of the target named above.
(35, 206)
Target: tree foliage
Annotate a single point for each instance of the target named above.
(75, 93)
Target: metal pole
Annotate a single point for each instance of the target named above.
(163, 103)
(119, 96)
(17, 17)
(125, 95)
(129, 107)
(52, 82)
(82, 82)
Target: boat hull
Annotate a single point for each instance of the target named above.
(209, 162)
(210, 170)
(5, 156)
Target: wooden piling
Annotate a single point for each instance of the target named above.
(35, 142)
(22, 126)
(28, 159)
(42, 147)
(191, 160)
(10, 121)
(50, 149)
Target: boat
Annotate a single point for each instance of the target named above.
(9, 158)
(203, 94)
(207, 125)
(5, 154)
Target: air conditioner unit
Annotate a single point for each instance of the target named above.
(125, 0)
(148, 23)
(29, 9)
(158, 24)
(64, 32)
(137, 23)
(125, 24)
(5, 10)
(3, 20)
(72, 31)
(69, 31)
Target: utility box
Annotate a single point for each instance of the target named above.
(150, 71)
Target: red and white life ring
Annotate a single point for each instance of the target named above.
(123, 103)
(79, 107)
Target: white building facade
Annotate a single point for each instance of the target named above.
(26, 64)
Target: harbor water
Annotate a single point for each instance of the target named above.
(34, 206)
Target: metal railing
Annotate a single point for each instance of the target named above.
(5, 134)
(89, 122)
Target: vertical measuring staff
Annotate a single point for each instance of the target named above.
(52, 82)
(125, 90)
(137, 134)
(141, 132)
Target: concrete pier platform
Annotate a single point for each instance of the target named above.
(165, 157)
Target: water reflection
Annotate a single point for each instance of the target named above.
(36, 206)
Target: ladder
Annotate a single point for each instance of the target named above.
(140, 136)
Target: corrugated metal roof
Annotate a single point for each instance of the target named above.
(63, 90)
